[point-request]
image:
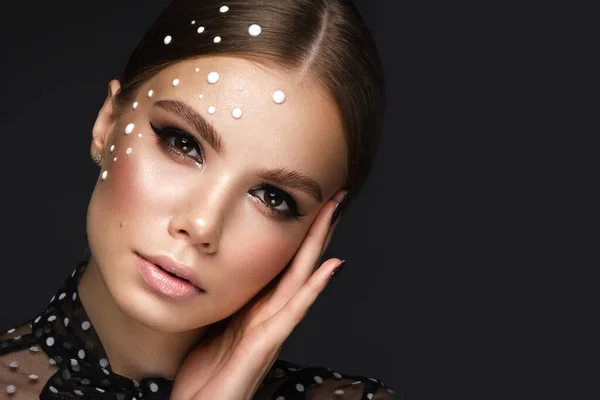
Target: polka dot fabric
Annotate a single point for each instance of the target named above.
(58, 355)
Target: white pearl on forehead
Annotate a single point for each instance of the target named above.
(168, 39)
(211, 110)
(129, 128)
(135, 104)
(224, 9)
(201, 29)
(278, 97)
(237, 113)
(175, 82)
(254, 30)
(213, 77)
(217, 39)
(150, 93)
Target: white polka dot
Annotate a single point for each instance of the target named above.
(339, 391)
(337, 375)
(17, 337)
(34, 349)
(77, 391)
(14, 364)
(81, 354)
(168, 39)
(280, 398)
(373, 379)
(66, 321)
(217, 39)
(51, 361)
(74, 296)
(11, 330)
(74, 362)
(11, 389)
(135, 104)
(299, 387)
(391, 391)
(100, 390)
(105, 371)
(213, 77)
(128, 151)
(34, 376)
(356, 383)
(193, 22)
(318, 379)
(62, 296)
(175, 82)
(52, 299)
(370, 396)
(154, 387)
(212, 110)
(104, 175)
(224, 9)
(200, 29)
(85, 325)
(237, 113)
(150, 93)
(278, 97)
(50, 341)
(129, 128)
(103, 362)
(37, 319)
(51, 318)
(254, 30)
(53, 389)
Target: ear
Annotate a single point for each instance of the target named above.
(105, 120)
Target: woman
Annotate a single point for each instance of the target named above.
(228, 149)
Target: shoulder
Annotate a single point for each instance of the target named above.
(286, 381)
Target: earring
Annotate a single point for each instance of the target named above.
(97, 158)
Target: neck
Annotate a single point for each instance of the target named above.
(133, 350)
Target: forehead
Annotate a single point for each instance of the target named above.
(303, 132)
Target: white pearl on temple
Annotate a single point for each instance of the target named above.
(150, 93)
(135, 104)
(175, 82)
(167, 39)
(237, 113)
(201, 29)
(128, 151)
(213, 77)
(217, 39)
(129, 128)
(278, 97)
(254, 30)
(211, 110)
(103, 178)
(224, 9)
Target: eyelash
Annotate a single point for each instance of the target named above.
(166, 133)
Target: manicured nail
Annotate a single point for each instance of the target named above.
(339, 268)
(339, 208)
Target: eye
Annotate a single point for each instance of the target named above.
(279, 202)
(179, 143)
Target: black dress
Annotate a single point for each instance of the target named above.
(58, 355)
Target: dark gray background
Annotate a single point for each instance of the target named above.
(416, 305)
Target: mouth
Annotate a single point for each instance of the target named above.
(172, 274)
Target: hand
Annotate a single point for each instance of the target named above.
(232, 364)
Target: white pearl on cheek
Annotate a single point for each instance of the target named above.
(135, 104)
(150, 93)
(112, 148)
(254, 30)
(128, 151)
(197, 69)
(201, 96)
(278, 97)
(213, 77)
(115, 159)
(237, 113)
(104, 174)
(175, 82)
(139, 135)
(211, 110)
(129, 128)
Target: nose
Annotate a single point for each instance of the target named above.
(199, 222)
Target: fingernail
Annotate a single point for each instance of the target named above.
(339, 268)
(339, 208)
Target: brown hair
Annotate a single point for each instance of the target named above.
(327, 38)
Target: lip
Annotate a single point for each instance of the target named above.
(174, 267)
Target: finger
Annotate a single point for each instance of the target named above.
(285, 320)
(308, 255)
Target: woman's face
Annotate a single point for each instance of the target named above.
(220, 212)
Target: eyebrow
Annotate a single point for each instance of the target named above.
(280, 176)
